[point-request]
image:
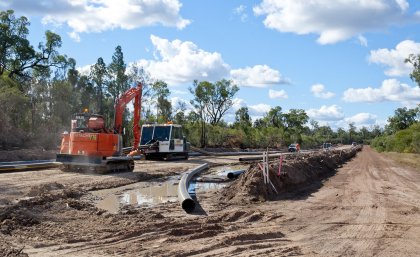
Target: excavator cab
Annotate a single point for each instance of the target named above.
(86, 122)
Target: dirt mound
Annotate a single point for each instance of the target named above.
(28, 211)
(296, 170)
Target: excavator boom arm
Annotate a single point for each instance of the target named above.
(120, 103)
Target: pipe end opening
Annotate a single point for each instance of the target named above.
(188, 205)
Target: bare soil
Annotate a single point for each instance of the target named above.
(368, 206)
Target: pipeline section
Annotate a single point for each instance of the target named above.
(187, 203)
(27, 165)
(204, 152)
(272, 156)
(234, 174)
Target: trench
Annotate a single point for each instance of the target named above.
(151, 193)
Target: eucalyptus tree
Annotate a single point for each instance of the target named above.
(415, 73)
(118, 83)
(212, 101)
(242, 118)
(163, 105)
(18, 58)
(100, 76)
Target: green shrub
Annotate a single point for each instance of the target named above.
(403, 141)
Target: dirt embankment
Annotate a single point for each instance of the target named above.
(295, 171)
(26, 155)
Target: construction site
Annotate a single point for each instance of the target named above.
(247, 134)
(348, 201)
(164, 197)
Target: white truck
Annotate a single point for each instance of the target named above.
(163, 141)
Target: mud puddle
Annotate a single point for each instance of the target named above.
(148, 194)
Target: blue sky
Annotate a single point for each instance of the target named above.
(340, 61)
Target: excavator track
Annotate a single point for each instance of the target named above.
(84, 164)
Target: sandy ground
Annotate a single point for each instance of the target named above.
(368, 207)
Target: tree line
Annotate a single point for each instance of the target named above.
(41, 89)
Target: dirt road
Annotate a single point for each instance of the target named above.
(368, 207)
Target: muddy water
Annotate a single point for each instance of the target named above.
(146, 194)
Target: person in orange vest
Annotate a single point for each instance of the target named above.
(297, 148)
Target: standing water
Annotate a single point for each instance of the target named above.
(147, 194)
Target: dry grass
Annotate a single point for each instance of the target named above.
(405, 159)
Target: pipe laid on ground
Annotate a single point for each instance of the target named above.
(258, 158)
(272, 156)
(27, 165)
(204, 152)
(187, 203)
(235, 173)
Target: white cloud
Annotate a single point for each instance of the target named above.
(333, 21)
(394, 58)
(259, 109)
(180, 62)
(179, 92)
(255, 111)
(326, 113)
(257, 76)
(175, 100)
(391, 90)
(319, 91)
(362, 119)
(86, 16)
(240, 11)
(274, 94)
(362, 40)
(84, 70)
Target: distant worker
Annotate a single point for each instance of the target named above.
(297, 148)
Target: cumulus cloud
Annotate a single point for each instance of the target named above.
(326, 113)
(394, 58)
(256, 111)
(84, 70)
(175, 101)
(257, 76)
(180, 62)
(333, 21)
(319, 91)
(259, 109)
(362, 119)
(391, 90)
(274, 94)
(86, 16)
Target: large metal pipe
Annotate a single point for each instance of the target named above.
(272, 156)
(258, 158)
(187, 203)
(27, 165)
(235, 173)
(204, 152)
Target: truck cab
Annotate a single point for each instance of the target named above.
(163, 141)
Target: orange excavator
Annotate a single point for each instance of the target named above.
(90, 146)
